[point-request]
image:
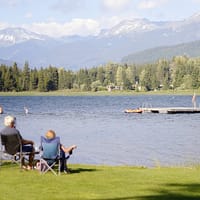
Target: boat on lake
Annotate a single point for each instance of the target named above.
(137, 110)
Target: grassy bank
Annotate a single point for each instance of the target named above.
(100, 93)
(101, 183)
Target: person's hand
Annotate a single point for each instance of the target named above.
(74, 146)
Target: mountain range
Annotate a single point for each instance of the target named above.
(190, 49)
(116, 44)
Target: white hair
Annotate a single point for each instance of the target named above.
(8, 120)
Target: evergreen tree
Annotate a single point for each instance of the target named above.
(69, 79)
(26, 77)
(3, 70)
(41, 81)
(17, 77)
(51, 78)
(146, 78)
(33, 79)
(101, 75)
(110, 72)
(61, 81)
(8, 80)
(120, 76)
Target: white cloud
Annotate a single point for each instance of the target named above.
(115, 4)
(76, 26)
(8, 2)
(81, 27)
(28, 15)
(68, 5)
(4, 25)
(150, 4)
(13, 3)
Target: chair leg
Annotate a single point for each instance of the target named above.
(45, 167)
(59, 167)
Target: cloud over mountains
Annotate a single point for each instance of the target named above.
(125, 38)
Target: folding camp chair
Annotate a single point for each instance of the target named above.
(11, 149)
(50, 155)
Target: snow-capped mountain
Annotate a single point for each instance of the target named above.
(194, 18)
(128, 37)
(11, 36)
(130, 26)
(138, 26)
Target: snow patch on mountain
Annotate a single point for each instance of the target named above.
(12, 36)
(127, 37)
(128, 26)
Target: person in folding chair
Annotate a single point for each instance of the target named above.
(50, 134)
(27, 145)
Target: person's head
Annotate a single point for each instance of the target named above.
(10, 121)
(50, 134)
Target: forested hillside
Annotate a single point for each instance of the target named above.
(180, 72)
(191, 49)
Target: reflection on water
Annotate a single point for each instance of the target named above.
(105, 134)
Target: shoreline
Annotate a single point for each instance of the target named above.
(100, 93)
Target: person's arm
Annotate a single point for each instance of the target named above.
(68, 149)
(27, 142)
(24, 142)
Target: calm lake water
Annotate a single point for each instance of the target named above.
(105, 134)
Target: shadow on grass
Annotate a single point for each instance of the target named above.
(119, 198)
(8, 164)
(169, 192)
(80, 170)
(175, 192)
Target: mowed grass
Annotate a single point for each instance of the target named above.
(101, 183)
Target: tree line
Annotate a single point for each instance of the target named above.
(181, 72)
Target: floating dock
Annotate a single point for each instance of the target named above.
(172, 110)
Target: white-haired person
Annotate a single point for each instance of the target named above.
(50, 134)
(27, 145)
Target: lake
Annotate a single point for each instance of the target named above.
(104, 134)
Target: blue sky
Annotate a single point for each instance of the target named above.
(87, 17)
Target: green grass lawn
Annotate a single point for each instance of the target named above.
(101, 183)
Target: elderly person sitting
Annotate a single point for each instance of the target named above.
(50, 134)
(27, 145)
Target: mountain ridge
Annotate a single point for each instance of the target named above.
(190, 49)
(73, 52)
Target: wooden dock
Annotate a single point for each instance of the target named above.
(172, 110)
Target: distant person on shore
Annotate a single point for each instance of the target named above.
(50, 134)
(26, 110)
(1, 110)
(27, 145)
(194, 101)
